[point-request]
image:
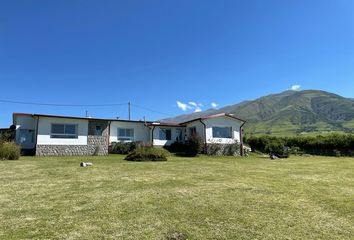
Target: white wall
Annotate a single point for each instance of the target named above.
(141, 132)
(158, 142)
(44, 131)
(199, 128)
(222, 122)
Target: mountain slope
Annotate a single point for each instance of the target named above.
(290, 112)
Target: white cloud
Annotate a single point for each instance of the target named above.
(197, 107)
(214, 104)
(194, 104)
(183, 106)
(295, 87)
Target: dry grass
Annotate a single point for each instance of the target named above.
(198, 198)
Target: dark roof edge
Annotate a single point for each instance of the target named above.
(82, 118)
(215, 116)
(135, 121)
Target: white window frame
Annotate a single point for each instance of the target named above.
(231, 132)
(125, 138)
(64, 135)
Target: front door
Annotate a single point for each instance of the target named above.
(26, 138)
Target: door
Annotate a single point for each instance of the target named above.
(26, 138)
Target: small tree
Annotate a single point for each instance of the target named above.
(276, 148)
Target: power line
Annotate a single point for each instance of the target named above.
(85, 105)
(151, 110)
(63, 105)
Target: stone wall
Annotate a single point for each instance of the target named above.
(97, 144)
(61, 150)
(219, 149)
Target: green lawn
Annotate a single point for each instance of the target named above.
(203, 198)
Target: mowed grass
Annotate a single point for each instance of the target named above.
(203, 198)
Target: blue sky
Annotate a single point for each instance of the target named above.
(155, 53)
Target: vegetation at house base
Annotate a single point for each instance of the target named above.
(328, 145)
(9, 151)
(191, 148)
(309, 112)
(7, 135)
(123, 147)
(147, 154)
(201, 198)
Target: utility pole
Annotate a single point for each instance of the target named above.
(129, 110)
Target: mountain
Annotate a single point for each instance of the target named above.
(290, 113)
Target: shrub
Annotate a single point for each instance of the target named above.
(9, 151)
(277, 148)
(295, 150)
(7, 135)
(327, 145)
(194, 145)
(123, 147)
(147, 154)
(336, 153)
(176, 147)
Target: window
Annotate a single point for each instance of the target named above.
(222, 132)
(179, 135)
(165, 134)
(98, 131)
(192, 131)
(126, 134)
(63, 130)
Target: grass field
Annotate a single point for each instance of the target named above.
(203, 198)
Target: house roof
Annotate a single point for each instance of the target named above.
(148, 123)
(73, 117)
(216, 116)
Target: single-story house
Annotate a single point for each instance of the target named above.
(46, 135)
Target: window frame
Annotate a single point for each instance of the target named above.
(64, 135)
(98, 133)
(164, 130)
(230, 129)
(192, 130)
(125, 138)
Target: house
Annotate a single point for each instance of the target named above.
(46, 135)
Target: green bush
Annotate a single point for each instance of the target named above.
(147, 154)
(328, 145)
(123, 147)
(295, 150)
(194, 145)
(277, 148)
(176, 147)
(9, 151)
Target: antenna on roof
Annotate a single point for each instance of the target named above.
(129, 110)
(86, 114)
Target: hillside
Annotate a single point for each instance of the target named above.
(290, 113)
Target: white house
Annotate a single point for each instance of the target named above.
(63, 135)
